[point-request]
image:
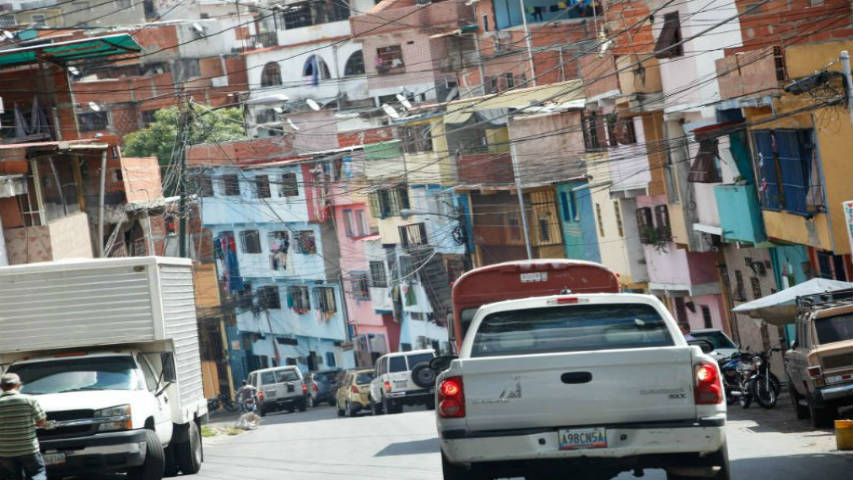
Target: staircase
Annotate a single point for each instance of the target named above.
(434, 279)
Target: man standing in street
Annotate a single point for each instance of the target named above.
(19, 448)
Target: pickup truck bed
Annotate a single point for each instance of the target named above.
(602, 380)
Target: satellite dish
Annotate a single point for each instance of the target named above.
(404, 101)
(389, 110)
(94, 107)
(314, 105)
(291, 124)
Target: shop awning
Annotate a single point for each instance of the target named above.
(460, 111)
(780, 308)
(64, 52)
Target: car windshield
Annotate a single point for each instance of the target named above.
(364, 378)
(570, 328)
(717, 339)
(834, 329)
(91, 373)
(418, 358)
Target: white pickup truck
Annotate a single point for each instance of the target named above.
(590, 385)
(109, 348)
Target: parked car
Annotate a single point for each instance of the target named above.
(394, 385)
(724, 347)
(323, 386)
(280, 388)
(353, 395)
(584, 385)
(819, 365)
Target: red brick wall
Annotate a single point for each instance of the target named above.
(787, 22)
(245, 152)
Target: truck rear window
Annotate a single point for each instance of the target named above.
(834, 329)
(570, 328)
(396, 364)
(418, 358)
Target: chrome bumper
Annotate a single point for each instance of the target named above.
(837, 392)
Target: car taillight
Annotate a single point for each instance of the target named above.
(315, 387)
(354, 389)
(304, 388)
(708, 389)
(814, 372)
(451, 398)
(387, 387)
(260, 395)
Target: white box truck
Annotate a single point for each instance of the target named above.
(109, 347)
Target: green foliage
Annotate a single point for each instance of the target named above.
(159, 138)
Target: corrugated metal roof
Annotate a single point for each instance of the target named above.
(64, 52)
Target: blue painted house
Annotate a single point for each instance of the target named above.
(277, 256)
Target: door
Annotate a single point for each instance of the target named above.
(159, 404)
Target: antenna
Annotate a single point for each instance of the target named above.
(314, 105)
(389, 110)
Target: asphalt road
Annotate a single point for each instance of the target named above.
(316, 444)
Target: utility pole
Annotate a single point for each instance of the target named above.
(184, 133)
(529, 47)
(517, 174)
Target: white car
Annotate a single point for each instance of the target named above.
(724, 347)
(587, 384)
(280, 388)
(395, 385)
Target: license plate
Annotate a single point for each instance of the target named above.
(582, 438)
(53, 458)
(400, 383)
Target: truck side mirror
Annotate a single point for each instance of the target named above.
(167, 360)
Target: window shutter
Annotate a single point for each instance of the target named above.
(662, 221)
(394, 208)
(373, 203)
(670, 35)
(644, 223)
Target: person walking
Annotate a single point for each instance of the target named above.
(20, 414)
(244, 394)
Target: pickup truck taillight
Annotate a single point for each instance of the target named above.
(708, 389)
(814, 372)
(451, 398)
(387, 387)
(260, 395)
(304, 388)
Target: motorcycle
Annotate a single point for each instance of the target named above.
(763, 385)
(736, 371)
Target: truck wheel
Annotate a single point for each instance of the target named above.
(262, 411)
(822, 417)
(155, 459)
(303, 405)
(802, 411)
(190, 454)
(341, 412)
(375, 408)
(171, 465)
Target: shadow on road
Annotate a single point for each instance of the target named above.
(415, 447)
(795, 467)
(781, 419)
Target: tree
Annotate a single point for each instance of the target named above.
(159, 138)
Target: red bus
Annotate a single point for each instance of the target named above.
(523, 279)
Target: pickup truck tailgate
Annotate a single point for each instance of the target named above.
(578, 388)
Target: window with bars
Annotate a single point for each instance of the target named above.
(593, 134)
(389, 60)
(288, 187)
(298, 298)
(706, 316)
(618, 212)
(378, 275)
(262, 186)
(360, 285)
(250, 241)
(230, 185)
(269, 298)
(740, 290)
(756, 287)
(600, 220)
(413, 234)
(204, 185)
(324, 298)
(93, 121)
(388, 202)
(787, 162)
